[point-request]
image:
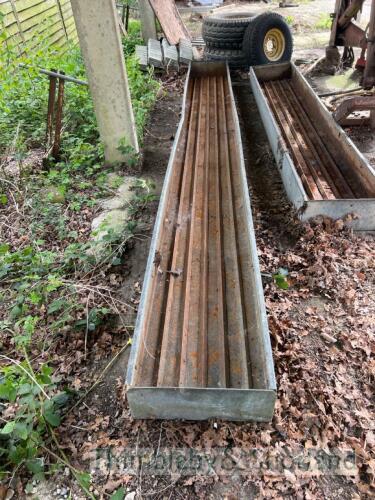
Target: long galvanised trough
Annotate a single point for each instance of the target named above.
(201, 347)
(322, 170)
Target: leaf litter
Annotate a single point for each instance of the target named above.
(322, 331)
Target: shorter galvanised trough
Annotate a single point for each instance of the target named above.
(322, 170)
(201, 347)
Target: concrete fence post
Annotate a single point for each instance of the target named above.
(148, 20)
(98, 30)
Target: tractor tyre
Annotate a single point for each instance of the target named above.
(226, 31)
(268, 40)
(235, 58)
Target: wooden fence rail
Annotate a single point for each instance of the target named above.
(30, 21)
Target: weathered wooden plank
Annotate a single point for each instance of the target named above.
(170, 20)
(38, 10)
(41, 23)
(50, 35)
(66, 8)
(27, 4)
(11, 25)
(70, 25)
(9, 19)
(6, 8)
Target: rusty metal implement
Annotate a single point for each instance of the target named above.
(201, 346)
(322, 170)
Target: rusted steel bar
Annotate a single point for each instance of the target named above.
(127, 17)
(316, 143)
(193, 372)
(163, 267)
(170, 357)
(56, 74)
(192, 356)
(203, 306)
(216, 327)
(50, 111)
(327, 189)
(58, 119)
(287, 128)
(336, 152)
(251, 317)
(236, 337)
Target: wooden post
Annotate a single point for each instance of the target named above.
(148, 22)
(99, 36)
(19, 25)
(127, 17)
(62, 18)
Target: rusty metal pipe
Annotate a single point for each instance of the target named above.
(58, 120)
(50, 111)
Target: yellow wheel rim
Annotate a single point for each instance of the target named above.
(274, 44)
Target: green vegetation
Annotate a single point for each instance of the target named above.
(289, 20)
(324, 23)
(281, 279)
(48, 263)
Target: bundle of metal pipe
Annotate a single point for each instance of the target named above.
(320, 173)
(197, 317)
(203, 324)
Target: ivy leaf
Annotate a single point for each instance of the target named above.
(52, 418)
(24, 389)
(57, 305)
(8, 428)
(61, 399)
(16, 312)
(21, 431)
(8, 391)
(36, 465)
(118, 495)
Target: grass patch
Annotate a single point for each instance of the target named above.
(324, 22)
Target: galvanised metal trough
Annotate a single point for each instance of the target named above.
(322, 170)
(201, 347)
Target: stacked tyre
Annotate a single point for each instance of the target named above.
(245, 39)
